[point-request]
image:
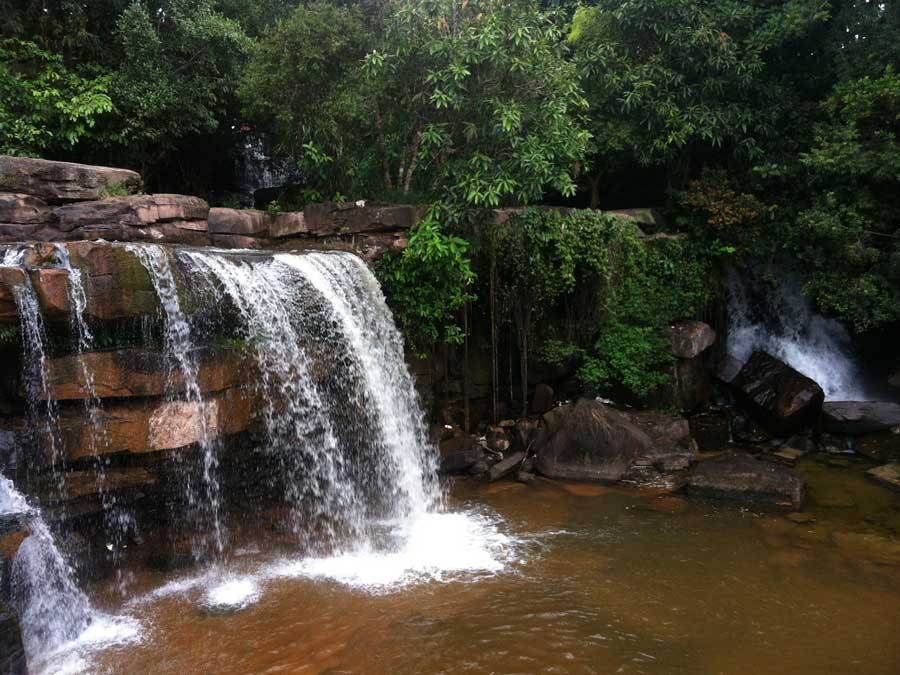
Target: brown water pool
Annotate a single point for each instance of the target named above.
(593, 580)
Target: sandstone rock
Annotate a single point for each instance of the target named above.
(134, 211)
(136, 427)
(127, 373)
(10, 278)
(689, 387)
(728, 368)
(288, 224)
(22, 209)
(690, 338)
(116, 284)
(58, 182)
(13, 531)
(15, 232)
(854, 418)
(887, 474)
(650, 217)
(236, 241)
(333, 218)
(505, 466)
(739, 476)
(503, 215)
(711, 431)
(542, 399)
(373, 246)
(782, 398)
(12, 651)
(497, 439)
(52, 288)
(239, 221)
(589, 441)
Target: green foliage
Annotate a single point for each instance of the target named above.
(113, 190)
(9, 337)
(854, 216)
(176, 65)
(44, 106)
(428, 283)
(609, 289)
(475, 99)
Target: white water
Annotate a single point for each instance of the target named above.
(179, 347)
(780, 320)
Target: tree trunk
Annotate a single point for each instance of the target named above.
(466, 420)
(413, 160)
(595, 191)
(495, 384)
(382, 148)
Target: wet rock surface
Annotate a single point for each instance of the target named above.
(690, 338)
(58, 182)
(740, 477)
(12, 652)
(783, 399)
(859, 417)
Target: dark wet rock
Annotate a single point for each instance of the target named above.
(894, 379)
(711, 431)
(747, 430)
(506, 466)
(801, 518)
(525, 477)
(237, 241)
(542, 399)
(497, 439)
(783, 399)
(690, 338)
(689, 386)
(854, 418)
(460, 461)
(12, 651)
(13, 531)
(887, 474)
(741, 477)
(728, 368)
(883, 446)
(479, 468)
(671, 446)
(58, 182)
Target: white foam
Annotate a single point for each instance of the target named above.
(433, 546)
(103, 632)
(231, 595)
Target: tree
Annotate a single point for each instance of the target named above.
(474, 99)
(44, 106)
(669, 80)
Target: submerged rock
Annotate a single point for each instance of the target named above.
(506, 466)
(711, 431)
(739, 476)
(783, 399)
(859, 417)
(887, 474)
(883, 446)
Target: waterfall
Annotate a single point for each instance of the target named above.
(179, 347)
(781, 320)
(52, 608)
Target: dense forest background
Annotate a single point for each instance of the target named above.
(767, 129)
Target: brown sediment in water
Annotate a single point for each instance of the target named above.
(609, 581)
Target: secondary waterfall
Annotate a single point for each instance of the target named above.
(781, 320)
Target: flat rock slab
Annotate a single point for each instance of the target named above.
(506, 466)
(741, 477)
(333, 218)
(689, 339)
(783, 399)
(21, 209)
(855, 418)
(239, 221)
(887, 474)
(134, 211)
(60, 182)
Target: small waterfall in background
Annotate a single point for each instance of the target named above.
(204, 500)
(781, 320)
(257, 169)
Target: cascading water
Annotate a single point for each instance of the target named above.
(780, 320)
(179, 347)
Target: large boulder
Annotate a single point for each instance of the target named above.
(288, 224)
(588, 441)
(459, 454)
(783, 399)
(334, 218)
(855, 418)
(739, 476)
(882, 446)
(887, 474)
(593, 442)
(59, 182)
(12, 651)
(690, 338)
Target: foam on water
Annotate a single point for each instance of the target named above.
(431, 547)
(73, 657)
(231, 595)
